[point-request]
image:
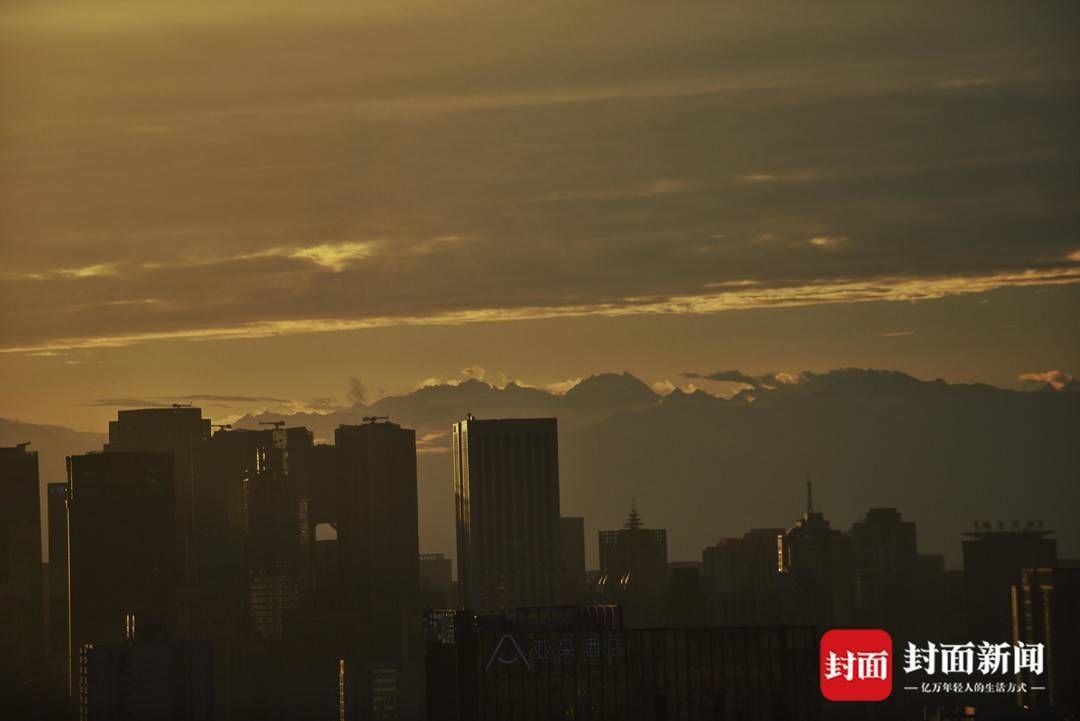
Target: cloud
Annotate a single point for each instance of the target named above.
(828, 242)
(337, 256)
(765, 381)
(560, 388)
(1057, 379)
(730, 376)
(168, 401)
(897, 333)
(885, 289)
(357, 394)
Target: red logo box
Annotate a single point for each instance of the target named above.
(856, 664)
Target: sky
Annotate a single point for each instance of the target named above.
(249, 204)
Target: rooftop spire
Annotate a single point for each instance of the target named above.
(633, 521)
(809, 495)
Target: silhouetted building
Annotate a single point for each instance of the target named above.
(993, 559)
(1044, 604)
(121, 545)
(506, 489)
(634, 570)
(581, 663)
(884, 557)
(146, 677)
(276, 530)
(684, 599)
(163, 430)
(818, 558)
(378, 547)
(21, 620)
(57, 596)
(572, 551)
(377, 508)
(744, 583)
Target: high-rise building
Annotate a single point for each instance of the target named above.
(20, 572)
(378, 536)
(1043, 603)
(634, 570)
(818, 558)
(146, 676)
(56, 602)
(572, 551)
(506, 491)
(121, 545)
(163, 430)
(744, 583)
(378, 550)
(993, 559)
(884, 555)
(277, 532)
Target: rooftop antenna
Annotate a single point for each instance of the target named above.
(275, 424)
(633, 521)
(809, 494)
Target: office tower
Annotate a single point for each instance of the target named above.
(378, 548)
(572, 551)
(146, 676)
(506, 491)
(436, 582)
(1044, 601)
(275, 526)
(121, 545)
(744, 583)
(163, 430)
(634, 568)
(993, 559)
(377, 509)
(818, 559)
(20, 573)
(884, 557)
(57, 599)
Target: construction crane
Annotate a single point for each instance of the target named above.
(275, 424)
(372, 419)
(22, 446)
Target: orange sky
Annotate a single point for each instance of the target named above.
(220, 202)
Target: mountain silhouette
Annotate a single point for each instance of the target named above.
(706, 467)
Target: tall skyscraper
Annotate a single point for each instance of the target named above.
(377, 516)
(20, 572)
(884, 555)
(277, 532)
(818, 558)
(121, 541)
(506, 491)
(163, 430)
(57, 600)
(378, 548)
(993, 559)
(634, 568)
